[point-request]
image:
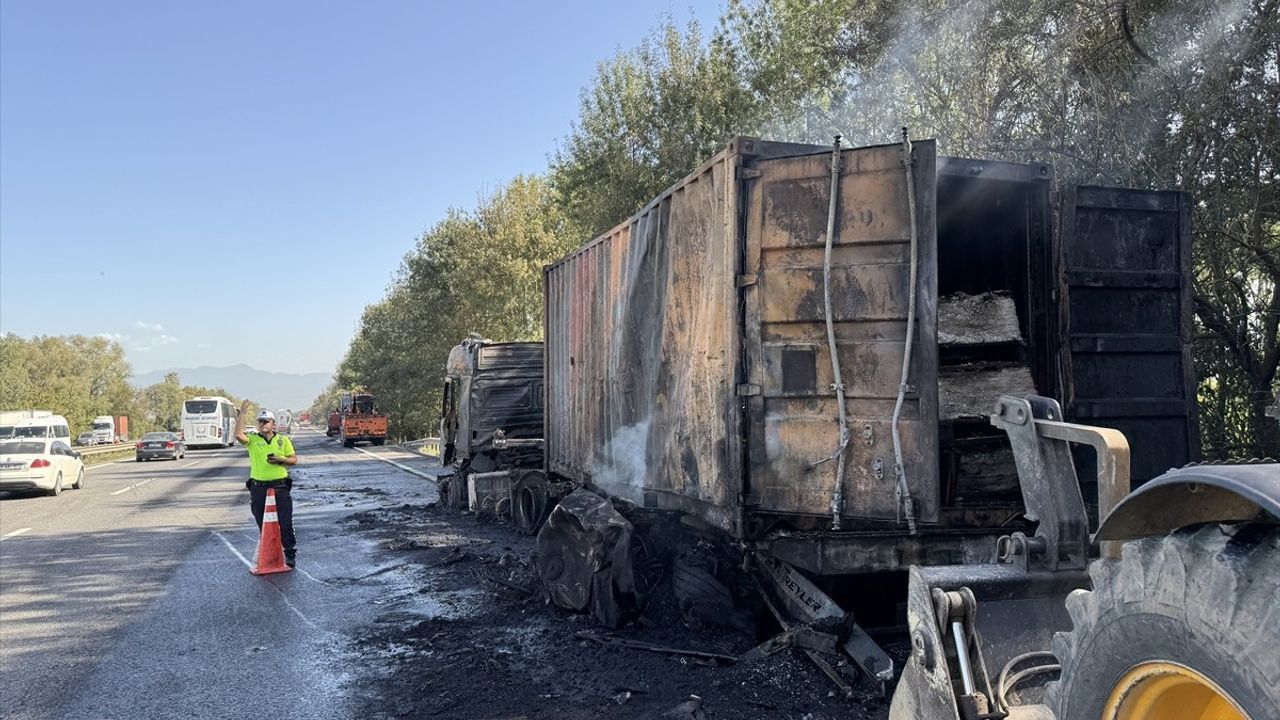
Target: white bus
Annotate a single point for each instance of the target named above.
(208, 422)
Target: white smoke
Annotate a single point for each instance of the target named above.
(622, 468)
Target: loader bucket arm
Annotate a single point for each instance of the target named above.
(975, 628)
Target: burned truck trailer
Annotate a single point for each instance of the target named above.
(689, 363)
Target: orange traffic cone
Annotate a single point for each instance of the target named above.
(270, 550)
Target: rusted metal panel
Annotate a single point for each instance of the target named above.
(686, 359)
(643, 348)
(786, 237)
(1126, 320)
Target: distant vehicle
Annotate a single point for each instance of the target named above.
(104, 429)
(284, 421)
(85, 438)
(49, 426)
(360, 420)
(208, 422)
(9, 418)
(155, 445)
(46, 464)
(335, 424)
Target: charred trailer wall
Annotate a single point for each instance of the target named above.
(1125, 334)
(687, 364)
(642, 351)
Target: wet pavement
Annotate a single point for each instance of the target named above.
(132, 599)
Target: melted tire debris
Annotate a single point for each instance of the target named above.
(497, 648)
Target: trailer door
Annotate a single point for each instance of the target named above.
(793, 410)
(1125, 320)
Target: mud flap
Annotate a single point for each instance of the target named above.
(584, 552)
(803, 602)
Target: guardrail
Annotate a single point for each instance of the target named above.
(427, 446)
(103, 449)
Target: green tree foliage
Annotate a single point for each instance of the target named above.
(75, 376)
(1178, 94)
(82, 377)
(160, 405)
(477, 271)
(649, 117)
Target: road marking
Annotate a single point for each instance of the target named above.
(405, 468)
(133, 486)
(193, 462)
(284, 597)
(15, 533)
(233, 549)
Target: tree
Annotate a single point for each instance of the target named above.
(75, 376)
(478, 271)
(1149, 94)
(650, 115)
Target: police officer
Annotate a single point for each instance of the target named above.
(270, 455)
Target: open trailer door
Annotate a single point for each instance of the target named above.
(1125, 320)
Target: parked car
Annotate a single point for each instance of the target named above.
(46, 464)
(160, 445)
(86, 438)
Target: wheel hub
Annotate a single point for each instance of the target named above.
(1168, 691)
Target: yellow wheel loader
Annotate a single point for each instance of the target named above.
(1177, 618)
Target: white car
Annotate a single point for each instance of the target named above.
(47, 464)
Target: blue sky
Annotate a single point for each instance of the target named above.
(216, 183)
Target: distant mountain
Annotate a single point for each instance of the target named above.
(270, 389)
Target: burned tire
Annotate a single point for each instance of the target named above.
(1180, 627)
(449, 489)
(530, 502)
(703, 599)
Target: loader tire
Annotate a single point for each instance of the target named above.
(1186, 623)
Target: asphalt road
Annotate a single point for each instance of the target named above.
(131, 598)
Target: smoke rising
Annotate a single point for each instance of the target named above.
(622, 466)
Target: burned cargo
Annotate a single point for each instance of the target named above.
(689, 349)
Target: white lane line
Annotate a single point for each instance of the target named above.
(15, 533)
(233, 549)
(405, 468)
(133, 486)
(284, 597)
(306, 574)
(193, 462)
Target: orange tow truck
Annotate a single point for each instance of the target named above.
(360, 420)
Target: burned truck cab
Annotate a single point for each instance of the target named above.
(491, 389)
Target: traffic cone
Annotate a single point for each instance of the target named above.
(270, 550)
